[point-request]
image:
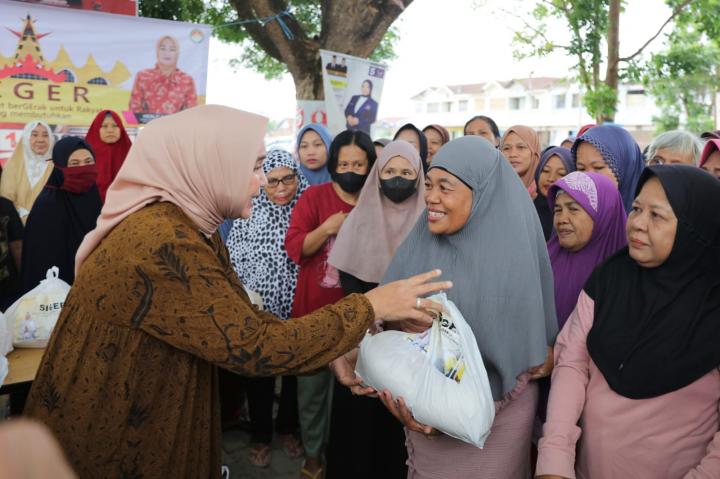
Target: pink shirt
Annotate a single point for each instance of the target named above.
(667, 437)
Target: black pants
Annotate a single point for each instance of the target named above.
(366, 441)
(261, 396)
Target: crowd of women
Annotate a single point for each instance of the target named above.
(588, 273)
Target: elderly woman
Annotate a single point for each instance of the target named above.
(27, 171)
(256, 246)
(110, 143)
(128, 382)
(610, 151)
(62, 215)
(589, 221)
(636, 387)
(480, 224)
(164, 89)
(675, 147)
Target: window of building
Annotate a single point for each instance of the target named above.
(446, 106)
(635, 97)
(462, 105)
(517, 103)
(560, 101)
(576, 100)
(498, 104)
(535, 102)
(433, 107)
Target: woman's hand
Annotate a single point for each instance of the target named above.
(331, 226)
(403, 414)
(344, 370)
(545, 369)
(403, 300)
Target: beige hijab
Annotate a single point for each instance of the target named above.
(530, 137)
(199, 159)
(377, 226)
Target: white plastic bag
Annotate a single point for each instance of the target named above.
(439, 374)
(32, 318)
(6, 344)
(4, 366)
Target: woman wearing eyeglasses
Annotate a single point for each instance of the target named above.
(256, 246)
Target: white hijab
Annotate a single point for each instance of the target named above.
(35, 165)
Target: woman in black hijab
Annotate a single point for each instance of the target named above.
(637, 362)
(416, 138)
(63, 214)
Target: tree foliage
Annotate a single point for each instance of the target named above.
(684, 79)
(593, 41)
(346, 26)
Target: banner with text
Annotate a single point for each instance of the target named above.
(353, 87)
(51, 69)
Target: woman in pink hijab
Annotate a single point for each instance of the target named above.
(521, 147)
(128, 382)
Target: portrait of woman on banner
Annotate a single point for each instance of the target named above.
(361, 111)
(164, 89)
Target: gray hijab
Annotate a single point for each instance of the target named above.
(498, 262)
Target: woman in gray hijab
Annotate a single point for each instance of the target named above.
(482, 231)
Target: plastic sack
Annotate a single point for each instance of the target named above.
(439, 374)
(32, 318)
(4, 368)
(6, 344)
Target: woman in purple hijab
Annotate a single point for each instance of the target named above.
(611, 151)
(589, 221)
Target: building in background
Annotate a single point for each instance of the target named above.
(552, 106)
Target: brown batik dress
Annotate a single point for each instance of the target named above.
(128, 383)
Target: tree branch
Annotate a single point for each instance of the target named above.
(537, 31)
(675, 13)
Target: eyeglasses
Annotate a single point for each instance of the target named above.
(656, 160)
(286, 180)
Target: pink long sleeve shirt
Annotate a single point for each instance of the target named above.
(673, 436)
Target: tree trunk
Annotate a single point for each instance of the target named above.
(613, 58)
(348, 26)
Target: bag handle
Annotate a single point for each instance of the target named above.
(52, 273)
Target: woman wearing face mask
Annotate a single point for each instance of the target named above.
(365, 439)
(313, 144)
(63, 214)
(110, 143)
(555, 163)
(611, 151)
(437, 136)
(27, 171)
(416, 138)
(521, 147)
(315, 223)
(636, 387)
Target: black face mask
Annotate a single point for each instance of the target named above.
(398, 189)
(350, 182)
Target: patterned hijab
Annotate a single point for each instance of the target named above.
(389, 222)
(597, 195)
(257, 245)
(498, 262)
(320, 176)
(621, 153)
(529, 136)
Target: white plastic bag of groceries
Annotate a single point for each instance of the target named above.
(32, 318)
(439, 374)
